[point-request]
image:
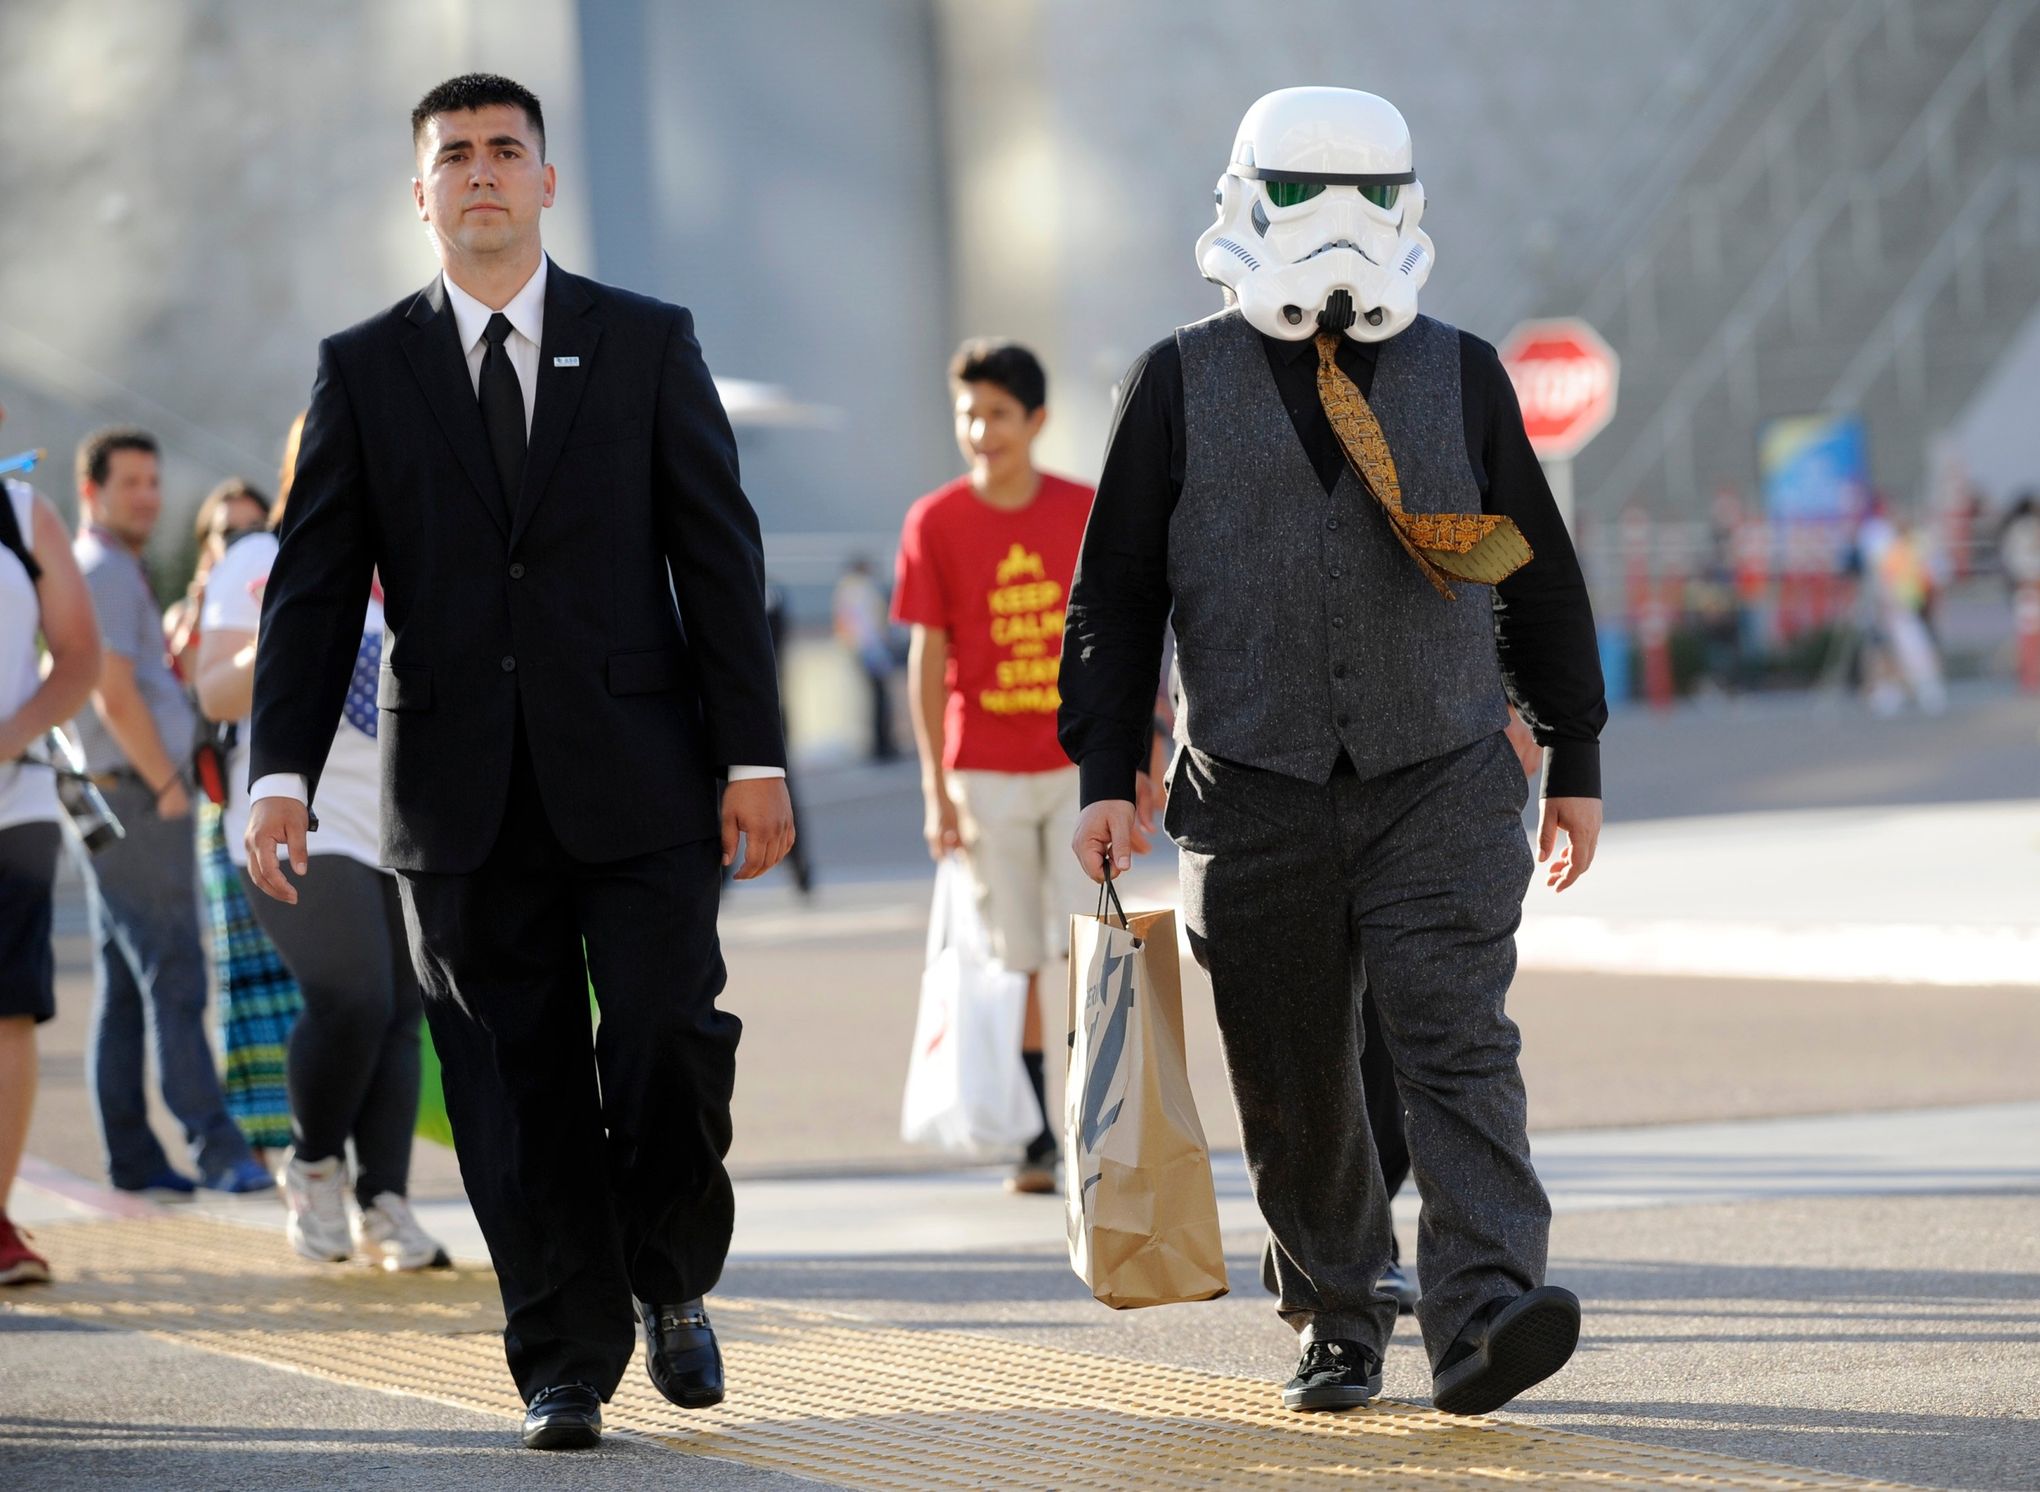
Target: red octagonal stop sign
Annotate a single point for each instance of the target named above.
(1565, 378)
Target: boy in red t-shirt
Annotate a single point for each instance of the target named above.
(984, 570)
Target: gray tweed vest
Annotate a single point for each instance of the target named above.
(1302, 626)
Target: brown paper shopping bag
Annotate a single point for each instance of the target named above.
(1143, 1217)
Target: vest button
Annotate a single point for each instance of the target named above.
(1338, 670)
(1345, 720)
(1335, 572)
(517, 572)
(509, 665)
(1331, 523)
(1338, 621)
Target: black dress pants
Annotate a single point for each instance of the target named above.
(595, 1168)
(1384, 1108)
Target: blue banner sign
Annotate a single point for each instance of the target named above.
(1814, 468)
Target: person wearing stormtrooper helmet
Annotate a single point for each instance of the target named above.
(1333, 498)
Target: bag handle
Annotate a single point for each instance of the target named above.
(1108, 894)
(942, 910)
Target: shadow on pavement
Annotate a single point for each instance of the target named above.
(1824, 1291)
(1923, 1449)
(47, 1432)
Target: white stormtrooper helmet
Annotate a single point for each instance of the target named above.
(1317, 217)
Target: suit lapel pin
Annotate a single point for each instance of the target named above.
(566, 362)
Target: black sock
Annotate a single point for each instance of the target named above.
(1043, 1144)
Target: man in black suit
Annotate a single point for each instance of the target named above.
(539, 469)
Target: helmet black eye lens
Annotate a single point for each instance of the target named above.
(1381, 196)
(1291, 193)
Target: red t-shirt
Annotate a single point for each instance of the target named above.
(997, 582)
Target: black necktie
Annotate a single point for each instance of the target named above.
(503, 409)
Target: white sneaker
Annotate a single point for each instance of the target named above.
(387, 1234)
(315, 1200)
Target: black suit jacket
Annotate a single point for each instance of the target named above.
(617, 601)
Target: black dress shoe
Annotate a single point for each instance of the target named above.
(1509, 1346)
(566, 1417)
(1334, 1375)
(681, 1353)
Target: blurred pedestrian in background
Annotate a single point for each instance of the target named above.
(1898, 586)
(984, 573)
(797, 859)
(137, 739)
(354, 1049)
(2018, 559)
(864, 632)
(41, 594)
(2018, 543)
(226, 513)
(258, 999)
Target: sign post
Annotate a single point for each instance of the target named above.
(1565, 377)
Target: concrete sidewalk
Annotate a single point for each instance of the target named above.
(1884, 1336)
(1929, 894)
(1938, 1152)
(1800, 1198)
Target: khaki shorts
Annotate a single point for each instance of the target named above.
(1016, 830)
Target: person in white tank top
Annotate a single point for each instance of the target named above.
(43, 605)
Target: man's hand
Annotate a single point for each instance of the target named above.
(939, 824)
(1108, 828)
(1528, 752)
(761, 810)
(273, 822)
(173, 802)
(1581, 820)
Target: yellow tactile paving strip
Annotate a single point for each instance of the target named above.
(854, 1404)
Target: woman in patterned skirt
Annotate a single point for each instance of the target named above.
(258, 998)
(355, 1051)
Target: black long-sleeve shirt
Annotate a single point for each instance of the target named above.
(1120, 601)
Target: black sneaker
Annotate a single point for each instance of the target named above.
(1506, 1348)
(1333, 1375)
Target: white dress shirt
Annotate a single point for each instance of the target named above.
(526, 313)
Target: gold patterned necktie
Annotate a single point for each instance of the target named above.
(1481, 547)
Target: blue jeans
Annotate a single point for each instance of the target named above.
(150, 989)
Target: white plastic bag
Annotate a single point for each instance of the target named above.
(967, 1090)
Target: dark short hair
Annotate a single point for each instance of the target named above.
(1007, 364)
(95, 451)
(478, 91)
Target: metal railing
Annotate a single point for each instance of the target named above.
(1730, 54)
(1667, 439)
(1955, 256)
(1824, 78)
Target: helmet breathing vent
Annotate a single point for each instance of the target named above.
(1413, 258)
(1237, 252)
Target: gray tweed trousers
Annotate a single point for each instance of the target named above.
(1290, 889)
